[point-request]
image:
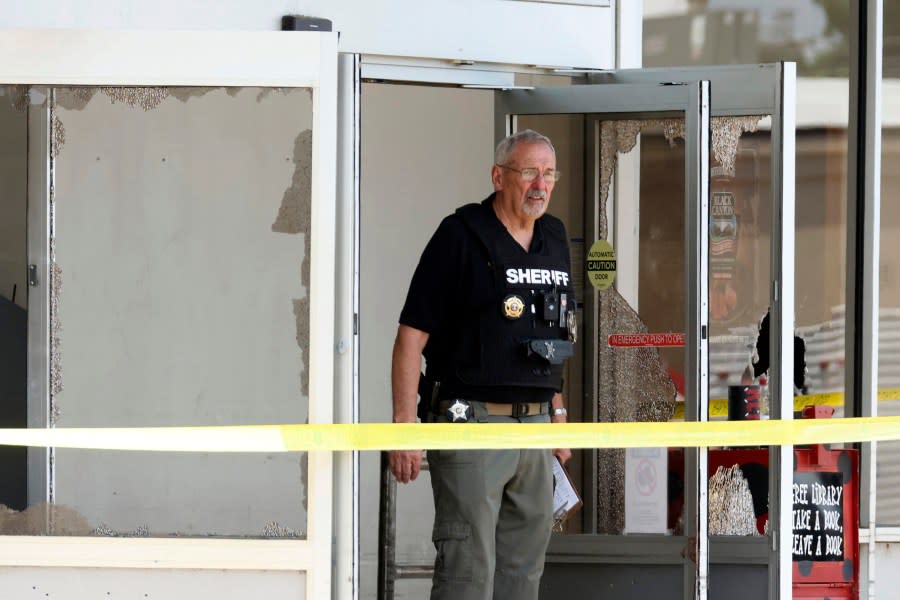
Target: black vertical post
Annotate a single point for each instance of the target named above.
(854, 320)
(387, 529)
(13, 402)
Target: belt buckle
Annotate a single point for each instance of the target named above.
(519, 409)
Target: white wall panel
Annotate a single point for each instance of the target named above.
(137, 14)
(23, 583)
(887, 557)
(504, 31)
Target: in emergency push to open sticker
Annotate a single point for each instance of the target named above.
(601, 265)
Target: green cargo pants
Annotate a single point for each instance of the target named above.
(493, 513)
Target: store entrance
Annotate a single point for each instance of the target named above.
(633, 177)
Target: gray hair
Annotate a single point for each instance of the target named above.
(527, 136)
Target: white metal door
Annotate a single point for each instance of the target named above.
(140, 70)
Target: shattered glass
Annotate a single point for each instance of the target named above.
(730, 503)
(634, 386)
(635, 383)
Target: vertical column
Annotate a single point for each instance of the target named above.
(863, 239)
(696, 369)
(322, 325)
(346, 380)
(781, 349)
(38, 293)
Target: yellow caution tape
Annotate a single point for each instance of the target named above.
(719, 406)
(296, 438)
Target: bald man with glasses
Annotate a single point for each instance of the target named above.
(491, 307)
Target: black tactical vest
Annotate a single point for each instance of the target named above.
(520, 335)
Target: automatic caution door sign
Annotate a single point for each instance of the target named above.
(601, 265)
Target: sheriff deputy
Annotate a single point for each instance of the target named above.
(491, 307)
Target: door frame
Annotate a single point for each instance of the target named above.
(188, 58)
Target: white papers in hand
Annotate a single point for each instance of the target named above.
(565, 497)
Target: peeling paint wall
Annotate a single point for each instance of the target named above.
(182, 247)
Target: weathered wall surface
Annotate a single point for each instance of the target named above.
(181, 247)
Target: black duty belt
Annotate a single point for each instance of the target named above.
(458, 409)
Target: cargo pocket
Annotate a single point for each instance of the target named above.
(453, 542)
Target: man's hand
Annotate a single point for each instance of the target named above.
(405, 367)
(405, 464)
(563, 454)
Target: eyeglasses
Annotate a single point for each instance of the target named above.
(529, 174)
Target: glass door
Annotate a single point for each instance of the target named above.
(631, 384)
(751, 306)
(698, 215)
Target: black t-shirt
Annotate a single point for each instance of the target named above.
(452, 283)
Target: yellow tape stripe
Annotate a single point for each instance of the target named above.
(266, 438)
(295, 438)
(719, 406)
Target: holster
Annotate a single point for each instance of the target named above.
(428, 391)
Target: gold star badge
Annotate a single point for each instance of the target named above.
(513, 307)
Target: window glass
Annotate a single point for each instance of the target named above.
(815, 35)
(812, 33)
(178, 296)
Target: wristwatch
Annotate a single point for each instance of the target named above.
(557, 412)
